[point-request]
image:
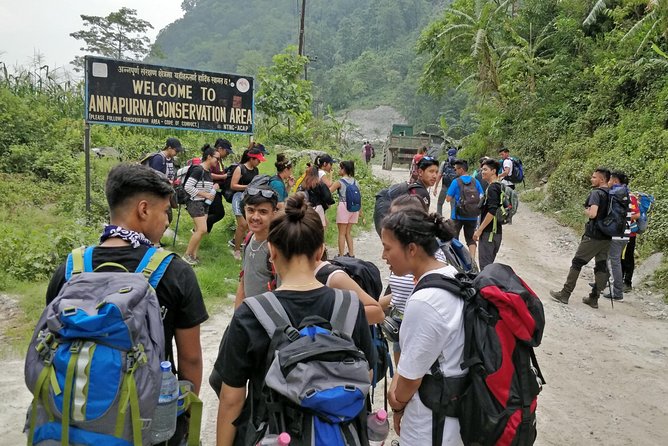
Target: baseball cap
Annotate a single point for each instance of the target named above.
(255, 153)
(452, 152)
(223, 144)
(174, 144)
(326, 159)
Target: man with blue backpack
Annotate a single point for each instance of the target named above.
(105, 330)
(466, 192)
(511, 171)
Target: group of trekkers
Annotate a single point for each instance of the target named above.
(308, 336)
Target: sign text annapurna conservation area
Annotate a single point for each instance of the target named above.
(131, 93)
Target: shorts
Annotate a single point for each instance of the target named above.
(344, 216)
(469, 228)
(237, 206)
(197, 208)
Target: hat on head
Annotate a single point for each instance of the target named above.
(503, 149)
(223, 144)
(174, 144)
(452, 152)
(255, 153)
(326, 159)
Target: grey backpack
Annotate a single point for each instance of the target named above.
(317, 379)
(93, 365)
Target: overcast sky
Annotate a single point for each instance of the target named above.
(44, 26)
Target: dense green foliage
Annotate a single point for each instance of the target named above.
(362, 52)
(565, 95)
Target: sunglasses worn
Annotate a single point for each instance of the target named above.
(266, 193)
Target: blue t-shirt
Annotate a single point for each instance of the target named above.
(279, 186)
(453, 191)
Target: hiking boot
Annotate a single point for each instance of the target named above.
(609, 296)
(560, 297)
(627, 288)
(591, 301)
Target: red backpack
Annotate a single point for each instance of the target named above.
(503, 322)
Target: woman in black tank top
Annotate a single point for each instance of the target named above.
(242, 176)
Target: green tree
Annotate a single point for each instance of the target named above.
(119, 35)
(283, 95)
(467, 36)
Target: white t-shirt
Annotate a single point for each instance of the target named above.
(321, 173)
(433, 327)
(507, 164)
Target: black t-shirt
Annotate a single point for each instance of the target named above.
(422, 192)
(178, 291)
(599, 197)
(490, 204)
(247, 174)
(243, 351)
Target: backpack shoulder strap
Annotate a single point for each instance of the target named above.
(344, 315)
(268, 311)
(78, 261)
(154, 264)
(436, 280)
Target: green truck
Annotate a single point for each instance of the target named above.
(401, 145)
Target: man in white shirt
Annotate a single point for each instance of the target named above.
(507, 167)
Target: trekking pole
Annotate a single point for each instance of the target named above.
(176, 227)
(612, 299)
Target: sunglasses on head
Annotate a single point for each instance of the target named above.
(266, 193)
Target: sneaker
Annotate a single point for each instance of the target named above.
(237, 255)
(627, 288)
(560, 297)
(609, 296)
(230, 243)
(591, 301)
(190, 260)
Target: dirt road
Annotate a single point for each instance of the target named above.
(605, 369)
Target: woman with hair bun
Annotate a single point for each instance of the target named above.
(296, 243)
(432, 330)
(283, 175)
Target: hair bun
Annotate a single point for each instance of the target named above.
(296, 207)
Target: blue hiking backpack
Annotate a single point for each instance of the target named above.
(645, 202)
(93, 365)
(613, 223)
(353, 196)
(317, 379)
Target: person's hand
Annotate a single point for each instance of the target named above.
(476, 235)
(210, 196)
(291, 181)
(396, 420)
(216, 186)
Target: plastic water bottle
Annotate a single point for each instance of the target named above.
(163, 425)
(207, 201)
(275, 440)
(378, 427)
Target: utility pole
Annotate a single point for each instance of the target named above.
(301, 29)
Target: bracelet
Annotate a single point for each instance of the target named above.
(400, 411)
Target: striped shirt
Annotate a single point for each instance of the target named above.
(402, 286)
(199, 181)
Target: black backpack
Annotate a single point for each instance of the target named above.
(468, 205)
(613, 222)
(385, 196)
(503, 322)
(367, 275)
(226, 186)
(448, 174)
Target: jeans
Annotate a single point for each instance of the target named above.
(615, 266)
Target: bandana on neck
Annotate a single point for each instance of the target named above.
(135, 238)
